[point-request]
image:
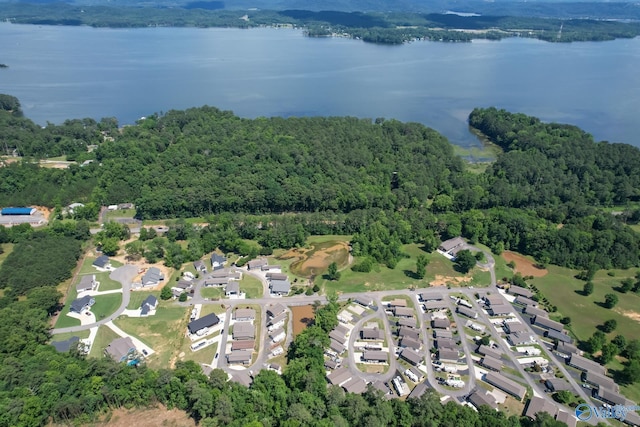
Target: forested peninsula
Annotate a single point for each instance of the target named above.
(277, 180)
(374, 27)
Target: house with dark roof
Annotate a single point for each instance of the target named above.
(87, 283)
(538, 405)
(565, 349)
(364, 301)
(66, 345)
(557, 384)
(217, 261)
(478, 399)
(257, 264)
(558, 336)
(120, 349)
(452, 246)
(148, 305)
(491, 363)
(199, 266)
(102, 263)
(205, 322)
(520, 291)
(411, 356)
(525, 301)
(600, 380)
(546, 323)
(152, 277)
(586, 365)
(467, 312)
(81, 305)
(505, 384)
(611, 397)
(375, 356)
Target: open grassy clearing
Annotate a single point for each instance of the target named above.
(107, 283)
(103, 338)
(65, 321)
(501, 268)
(106, 305)
(213, 308)
(138, 296)
(8, 248)
(251, 286)
(120, 213)
(212, 292)
(164, 332)
(204, 355)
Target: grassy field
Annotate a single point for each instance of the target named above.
(138, 296)
(212, 308)
(164, 333)
(62, 337)
(103, 338)
(8, 248)
(501, 265)
(120, 213)
(106, 305)
(212, 292)
(401, 277)
(252, 286)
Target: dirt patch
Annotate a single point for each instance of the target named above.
(447, 280)
(630, 314)
(159, 416)
(316, 259)
(523, 265)
(302, 317)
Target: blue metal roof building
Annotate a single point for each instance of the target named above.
(18, 211)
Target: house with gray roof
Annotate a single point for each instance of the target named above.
(565, 349)
(240, 357)
(372, 334)
(442, 333)
(243, 345)
(216, 281)
(485, 350)
(217, 261)
(199, 266)
(257, 264)
(567, 418)
(520, 291)
(276, 276)
(398, 302)
(441, 323)
(243, 331)
(525, 301)
(339, 376)
(447, 355)
(149, 304)
(409, 322)
(600, 380)
(410, 343)
(409, 333)
(375, 356)
(467, 312)
(514, 327)
(81, 305)
(431, 296)
(280, 287)
(355, 385)
(411, 356)
(494, 299)
(479, 398)
(364, 301)
(500, 310)
(270, 267)
(558, 336)
(546, 323)
(611, 397)
(403, 312)
(87, 283)
(586, 365)
(120, 349)
(152, 277)
(535, 311)
(521, 338)
(244, 314)
(491, 363)
(275, 310)
(435, 305)
(538, 405)
(505, 384)
(339, 337)
(445, 343)
(557, 384)
(452, 246)
(336, 346)
(232, 289)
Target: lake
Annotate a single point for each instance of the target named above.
(74, 72)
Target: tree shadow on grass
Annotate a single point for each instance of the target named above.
(580, 292)
(411, 274)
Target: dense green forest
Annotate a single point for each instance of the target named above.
(376, 27)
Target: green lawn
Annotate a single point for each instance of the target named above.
(252, 286)
(65, 321)
(163, 332)
(106, 305)
(213, 308)
(103, 338)
(62, 337)
(107, 283)
(138, 296)
(120, 213)
(88, 268)
(212, 292)
(501, 265)
(401, 277)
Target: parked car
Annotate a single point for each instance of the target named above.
(216, 356)
(145, 352)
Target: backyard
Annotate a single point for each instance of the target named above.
(106, 305)
(137, 297)
(103, 338)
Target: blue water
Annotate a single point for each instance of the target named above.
(74, 72)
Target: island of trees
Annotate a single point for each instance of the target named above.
(387, 183)
(374, 27)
